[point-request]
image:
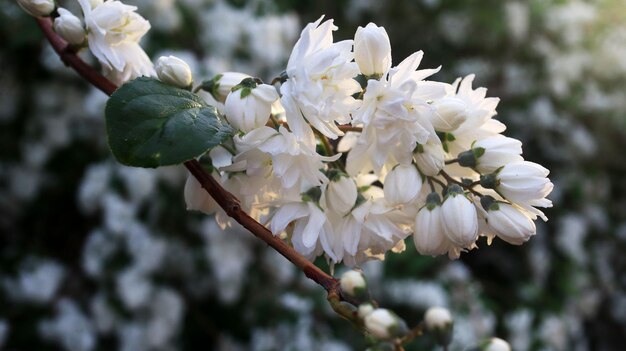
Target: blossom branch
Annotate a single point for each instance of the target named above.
(227, 201)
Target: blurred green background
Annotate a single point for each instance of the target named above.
(97, 256)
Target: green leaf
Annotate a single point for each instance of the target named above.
(151, 124)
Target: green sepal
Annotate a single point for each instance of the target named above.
(489, 181)
(313, 195)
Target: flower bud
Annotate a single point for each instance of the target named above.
(37, 8)
(372, 50)
(173, 71)
(509, 223)
(430, 157)
(493, 344)
(439, 323)
(402, 184)
(353, 283)
(221, 85)
(525, 183)
(69, 27)
(249, 104)
(459, 218)
(429, 238)
(450, 113)
(497, 152)
(364, 310)
(341, 194)
(384, 324)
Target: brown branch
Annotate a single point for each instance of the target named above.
(469, 188)
(349, 128)
(69, 58)
(227, 201)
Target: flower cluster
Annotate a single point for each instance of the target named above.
(416, 156)
(420, 157)
(355, 155)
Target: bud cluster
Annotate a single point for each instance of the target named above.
(381, 323)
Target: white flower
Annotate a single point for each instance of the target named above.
(497, 151)
(496, 344)
(173, 71)
(353, 283)
(430, 157)
(249, 105)
(341, 194)
(526, 184)
(509, 223)
(95, 3)
(380, 223)
(37, 8)
(428, 237)
(479, 123)
(372, 50)
(197, 199)
(113, 32)
(320, 84)
(450, 113)
(69, 27)
(394, 118)
(311, 225)
(402, 184)
(438, 318)
(293, 161)
(459, 218)
(384, 324)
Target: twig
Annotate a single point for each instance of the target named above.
(227, 201)
(349, 128)
(69, 58)
(464, 186)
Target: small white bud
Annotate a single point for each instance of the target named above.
(429, 238)
(249, 105)
(37, 8)
(384, 324)
(430, 157)
(69, 27)
(459, 218)
(510, 224)
(497, 151)
(365, 309)
(525, 182)
(495, 344)
(341, 194)
(372, 50)
(402, 184)
(450, 113)
(439, 322)
(222, 84)
(173, 71)
(353, 283)
(437, 318)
